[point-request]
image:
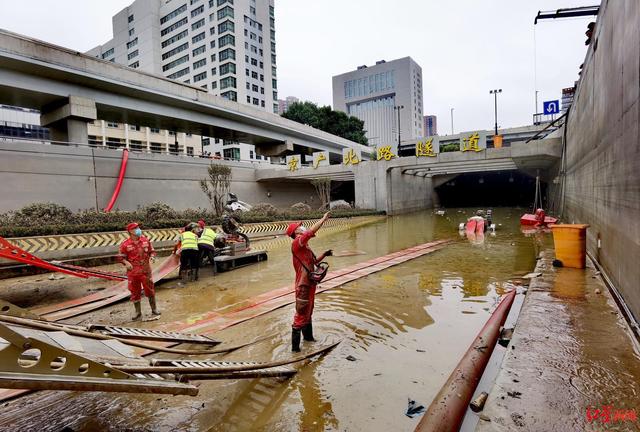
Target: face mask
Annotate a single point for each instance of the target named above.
(302, 229)
(137, 232)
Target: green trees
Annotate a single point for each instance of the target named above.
(328, 120)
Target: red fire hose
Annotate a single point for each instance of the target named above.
(116, 192)
(448, 408)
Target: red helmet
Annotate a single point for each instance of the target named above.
(132, 226)
(291, 229)
(201, 223)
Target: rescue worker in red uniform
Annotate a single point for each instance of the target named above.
(304, 261)
(136, 253)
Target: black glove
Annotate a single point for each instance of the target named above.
(328, 253)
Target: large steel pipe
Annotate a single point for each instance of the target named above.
(450, 405)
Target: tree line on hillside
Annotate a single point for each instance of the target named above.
(328, 120)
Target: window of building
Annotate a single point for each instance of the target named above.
(226, 11)
(198, 51)
(214, 85)
(273, 70)
(197, 11)
(132, 54)
(175, 38)
(221, 2)
(228, 25)
(262, 103)
(194, 2)
(134, 128)
(107, 53)
(246, 59)
(271, 11)
(256, 101)
(135, 65)
(197, 24)
(173, 26)
(227, 82)
(228, 53)
(190, 151)
(213, 71)
(260, 39)
(276, 108)
(248, 86)
(252, 10)
(130, 19)
(273, 46)
(213, 57)
(112, 125)
(173, 14)
(261, 77)
(246, 71)
(261, 90)
(212, 30)
(254, 62)
(199, 64)
(254, 75)
(231, 95)
(273, 58)
(253, 36)
(275, 95)
(227, 68)
(154, 130)
(251, 154)
(261, 65)
(232, 153)
(200, 76)
(226, 40)
(246, 45)
(254, 88)
(213, 44)
(175, 63)
(254, 49)
(248, 97)
(198, 38)
(261, 52)
(175, 51)
(132, 32)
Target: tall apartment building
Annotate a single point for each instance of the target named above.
(284, 104)
(224, 46)
(430, 125)
(371, 93)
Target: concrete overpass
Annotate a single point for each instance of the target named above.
(72, 89)
(407, 183)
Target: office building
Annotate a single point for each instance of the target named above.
(284, 104)
(430, 125)
(370, 93)
(16, 122)
(224, 46)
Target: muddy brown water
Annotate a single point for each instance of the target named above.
(406, 327)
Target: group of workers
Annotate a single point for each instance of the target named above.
(197, 240)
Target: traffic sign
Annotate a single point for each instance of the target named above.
(551, 107)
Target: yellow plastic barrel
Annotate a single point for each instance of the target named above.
(571, 244)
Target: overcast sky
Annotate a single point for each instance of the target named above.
(465, 47)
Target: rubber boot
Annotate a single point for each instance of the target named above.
(154, 308)
(307, 333)
(138, 307)
(195, 274)
(295, 340)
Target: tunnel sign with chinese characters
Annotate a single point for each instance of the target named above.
(293, 162)
(473, 141)
(351, 156)
(428, 147)
(320, 158)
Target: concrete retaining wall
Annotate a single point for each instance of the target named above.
(84, 178)
(603, 147)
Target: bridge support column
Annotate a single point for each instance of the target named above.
(370, 181)
(68, 122)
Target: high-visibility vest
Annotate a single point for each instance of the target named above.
(189, 240)
(207, 237)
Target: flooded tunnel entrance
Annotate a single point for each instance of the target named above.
(489, 189)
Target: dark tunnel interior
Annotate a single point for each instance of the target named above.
(489, 189)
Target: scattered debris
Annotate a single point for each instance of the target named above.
(597, 291)
(414, 409)
(514, 394)
(518, 419)
(532, 275)
(477, 404)
(557, 263)
(351, 358)
(485, 417)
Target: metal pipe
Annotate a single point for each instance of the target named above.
(448, 408)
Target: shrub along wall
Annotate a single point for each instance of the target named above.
(48, 218)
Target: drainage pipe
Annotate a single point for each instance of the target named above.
(448, 408)
(116, 191)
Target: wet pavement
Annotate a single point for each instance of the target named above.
(572, 364)
(404, 329)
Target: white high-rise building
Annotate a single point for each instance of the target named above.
(224, 46)
(370, 93)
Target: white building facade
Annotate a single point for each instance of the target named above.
(370, 93)
(224, 46)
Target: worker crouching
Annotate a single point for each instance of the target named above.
(309, 271)
(136, 253)
(190, 254)
(206, 243)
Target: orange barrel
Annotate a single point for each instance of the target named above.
(497, 141)
(571, 244)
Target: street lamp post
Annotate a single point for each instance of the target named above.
(398, 108)
(495, 97)
(452, 121)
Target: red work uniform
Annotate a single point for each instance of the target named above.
(305, 287)
(138, 254)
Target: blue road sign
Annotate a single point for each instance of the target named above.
(551, 107)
